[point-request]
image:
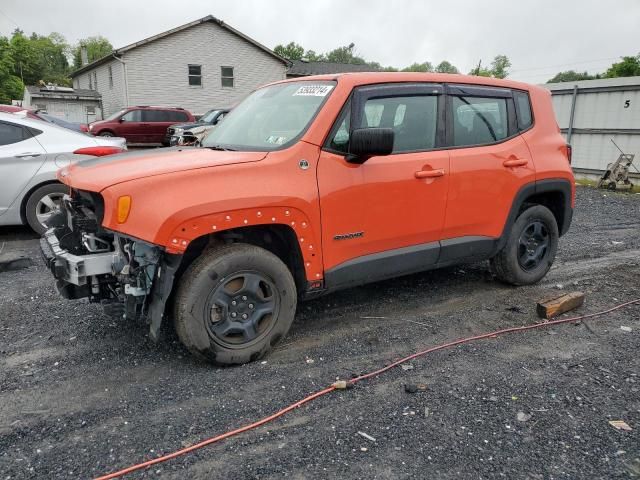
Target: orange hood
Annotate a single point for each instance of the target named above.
(96, 174)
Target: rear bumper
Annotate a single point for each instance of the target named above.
(74, 269)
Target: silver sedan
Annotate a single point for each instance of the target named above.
(31, 152)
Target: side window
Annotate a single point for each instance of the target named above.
(10, 133)
(132, 116)
(413, 119)
(157, 116)
(478, 120)
(195, 75)
(180, 117)
(523, 109)
(226, 74)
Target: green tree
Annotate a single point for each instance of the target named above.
(572, 76)
(500, 66)
(11, 87)
(345, 55)
(290, 51)
(446, 67)
(52, 63)
(312, 56)
(419, 67)
(628, 67)
(97, 47)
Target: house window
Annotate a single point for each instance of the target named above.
(195, 75)
(110, 77)
(90, 82)
(41, 107)
(91, 109)
(227, 76)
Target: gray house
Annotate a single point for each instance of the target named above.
(197, 66)
(73, 105)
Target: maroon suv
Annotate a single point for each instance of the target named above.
(141, 124)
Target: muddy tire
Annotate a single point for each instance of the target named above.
(42, 204)
(234, 303)
(530, 248)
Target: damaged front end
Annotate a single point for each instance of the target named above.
(131, 278)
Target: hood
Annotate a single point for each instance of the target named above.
(98, 173)
(186, 126)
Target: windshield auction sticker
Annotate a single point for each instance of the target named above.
(314, 90)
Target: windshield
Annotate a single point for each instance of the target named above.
(270, 118)
(114, 115)
(209, 116)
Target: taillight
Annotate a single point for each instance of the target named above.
(98, 151)
(569, 153)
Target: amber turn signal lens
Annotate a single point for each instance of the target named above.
(124, 206)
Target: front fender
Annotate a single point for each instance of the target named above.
(176, 239)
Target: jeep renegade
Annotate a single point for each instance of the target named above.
(310, 186)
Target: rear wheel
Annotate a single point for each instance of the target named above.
(234, 303)
(106, 134)
(42, 204)
(530, 248)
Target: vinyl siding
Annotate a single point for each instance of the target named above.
(158, 71)
(113, 98)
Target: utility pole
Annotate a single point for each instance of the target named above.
(478, 68)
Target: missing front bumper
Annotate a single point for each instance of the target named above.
(75, 269)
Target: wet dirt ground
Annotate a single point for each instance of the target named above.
(82, 395)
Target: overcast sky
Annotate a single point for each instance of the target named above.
(541, 37)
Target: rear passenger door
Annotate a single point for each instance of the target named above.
(156, 123)
(490, 162)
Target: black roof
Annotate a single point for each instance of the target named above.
(301, 68)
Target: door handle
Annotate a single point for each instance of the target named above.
(515, 162)
(28, 154)
(439, 172)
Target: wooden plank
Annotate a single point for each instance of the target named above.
(559, 304)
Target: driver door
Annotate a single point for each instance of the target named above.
(384, 217)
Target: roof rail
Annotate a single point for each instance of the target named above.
(156, 106)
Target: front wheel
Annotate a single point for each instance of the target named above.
(234, 303)
(530, 248)
(106, 134)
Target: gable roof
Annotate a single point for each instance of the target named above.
(209, 18)
(301, 68)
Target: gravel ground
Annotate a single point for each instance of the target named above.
(82, 395)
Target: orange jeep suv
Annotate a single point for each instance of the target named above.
(310, 186)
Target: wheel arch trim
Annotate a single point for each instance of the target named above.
(183, 234)
(550, 185)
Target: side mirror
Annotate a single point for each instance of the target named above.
(121, 120)
(369, 142)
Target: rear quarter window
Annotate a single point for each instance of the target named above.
(523, 109)
(11, 133)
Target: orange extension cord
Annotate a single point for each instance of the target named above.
(331, 388)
